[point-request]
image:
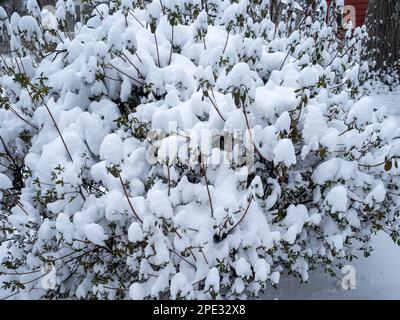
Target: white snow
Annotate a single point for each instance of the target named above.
(160, 204)
(362, 112)
(180, 286)
(308, 77)
(212, 280)
(337, 199)
(275, 277)
(112, 149)
(136, 291)
(65, 226)
(295, 219)
(262, 270)
(284, 152)
(243, 268)
(5, 182)
(377, 195)
(95, 233)
(135, 232)
(283, 122)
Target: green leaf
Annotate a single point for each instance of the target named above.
(388, 165)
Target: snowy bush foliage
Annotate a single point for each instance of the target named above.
(106, 175)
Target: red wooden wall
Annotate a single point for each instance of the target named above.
(361, 10)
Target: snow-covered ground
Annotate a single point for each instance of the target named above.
(377, 277)
(391, 101)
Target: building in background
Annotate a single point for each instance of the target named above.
(360, 7)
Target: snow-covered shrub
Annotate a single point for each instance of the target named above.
(104, 172)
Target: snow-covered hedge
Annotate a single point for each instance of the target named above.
(187, 149)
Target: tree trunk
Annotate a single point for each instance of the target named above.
(383, 23)
(43, 3)
(12, 6)
(274, 10)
